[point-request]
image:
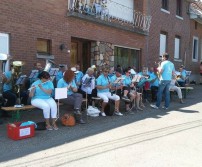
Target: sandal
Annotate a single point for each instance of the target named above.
(55, 127)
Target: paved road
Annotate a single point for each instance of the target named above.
(154, 138)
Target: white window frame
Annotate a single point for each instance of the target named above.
(4, 45)
(162, 45)
(195, 59)
(5, 48)
(177, 48)
(201, 49)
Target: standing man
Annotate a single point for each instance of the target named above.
(166, 71)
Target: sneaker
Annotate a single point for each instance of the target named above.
(103, 114)
(164, 107)
(125, 98)
(118, 113)
(49, 128)
(55, 128)
(154, 106)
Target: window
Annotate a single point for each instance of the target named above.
(195, 49)
(201, 49)
(4, 43)
(179, 8)
(43, 46)
(163, 42)
(165, 4)
(126, 57)
(177, 48)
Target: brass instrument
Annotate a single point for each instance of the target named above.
(50, 64)
(16, 72)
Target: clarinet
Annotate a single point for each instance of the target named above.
(110, 89)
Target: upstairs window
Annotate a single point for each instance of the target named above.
(43, 46)
(165, 5)
(195, 49)
(179, 8)
(163, 43)
(177, 47)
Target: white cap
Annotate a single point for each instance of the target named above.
(74, 69)
(93, 66)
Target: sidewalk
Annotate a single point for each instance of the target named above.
(49, 139)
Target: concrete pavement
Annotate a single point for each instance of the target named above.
(152, 138)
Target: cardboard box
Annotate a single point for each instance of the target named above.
(17, 132)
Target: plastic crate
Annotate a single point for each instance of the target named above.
(17, 132)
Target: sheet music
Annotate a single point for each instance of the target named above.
(20, 80)
(53, 71)
(87, 81)
(136, 78)
(34, 74)
(118, 80)
(60, 93)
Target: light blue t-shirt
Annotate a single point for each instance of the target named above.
(7, 86)
(114, 78)
(152, 77)
(62, 84)
(59, 76)
(183, 74)
(39, 94)
(127, 80)
(78, 77)
(102, 81)
(168, 68)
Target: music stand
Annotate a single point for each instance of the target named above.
(60, 93)
(53, 72)
(34, 74)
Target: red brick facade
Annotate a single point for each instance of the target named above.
(27, 20)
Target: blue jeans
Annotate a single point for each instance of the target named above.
(163, 88)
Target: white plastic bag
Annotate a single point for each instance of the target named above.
(93, 111)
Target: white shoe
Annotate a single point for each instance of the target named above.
(103, 114)
(154, 106)
(118, 113)
(164, 107)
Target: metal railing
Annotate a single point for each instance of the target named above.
(111, 12)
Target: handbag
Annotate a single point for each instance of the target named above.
(68, 120)
(93, 111)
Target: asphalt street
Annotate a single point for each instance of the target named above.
(153, 138)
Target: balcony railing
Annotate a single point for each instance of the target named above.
(111, 12)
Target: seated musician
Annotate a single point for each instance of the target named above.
(88, 85)
(38, 69)
(103, 91)
(144, 83)
(7, 88)
(60, 73)
(175, 88)
(182, 77)
(79, 76)
(129, 91)
(74, 98)
(40, 92)
(154, 84)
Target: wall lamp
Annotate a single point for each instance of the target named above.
(64, 47)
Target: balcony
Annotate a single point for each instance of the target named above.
(110, 14)
(195, 11)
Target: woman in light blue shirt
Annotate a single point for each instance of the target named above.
(40, 92)
(74, 98)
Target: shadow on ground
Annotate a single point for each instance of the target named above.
(47, 139)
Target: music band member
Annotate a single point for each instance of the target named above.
(40, 93)
(88, 85)
(74, 98)
(129, 91)
(103, 91)
(7, 89)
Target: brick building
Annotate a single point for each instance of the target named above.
(113, 32)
